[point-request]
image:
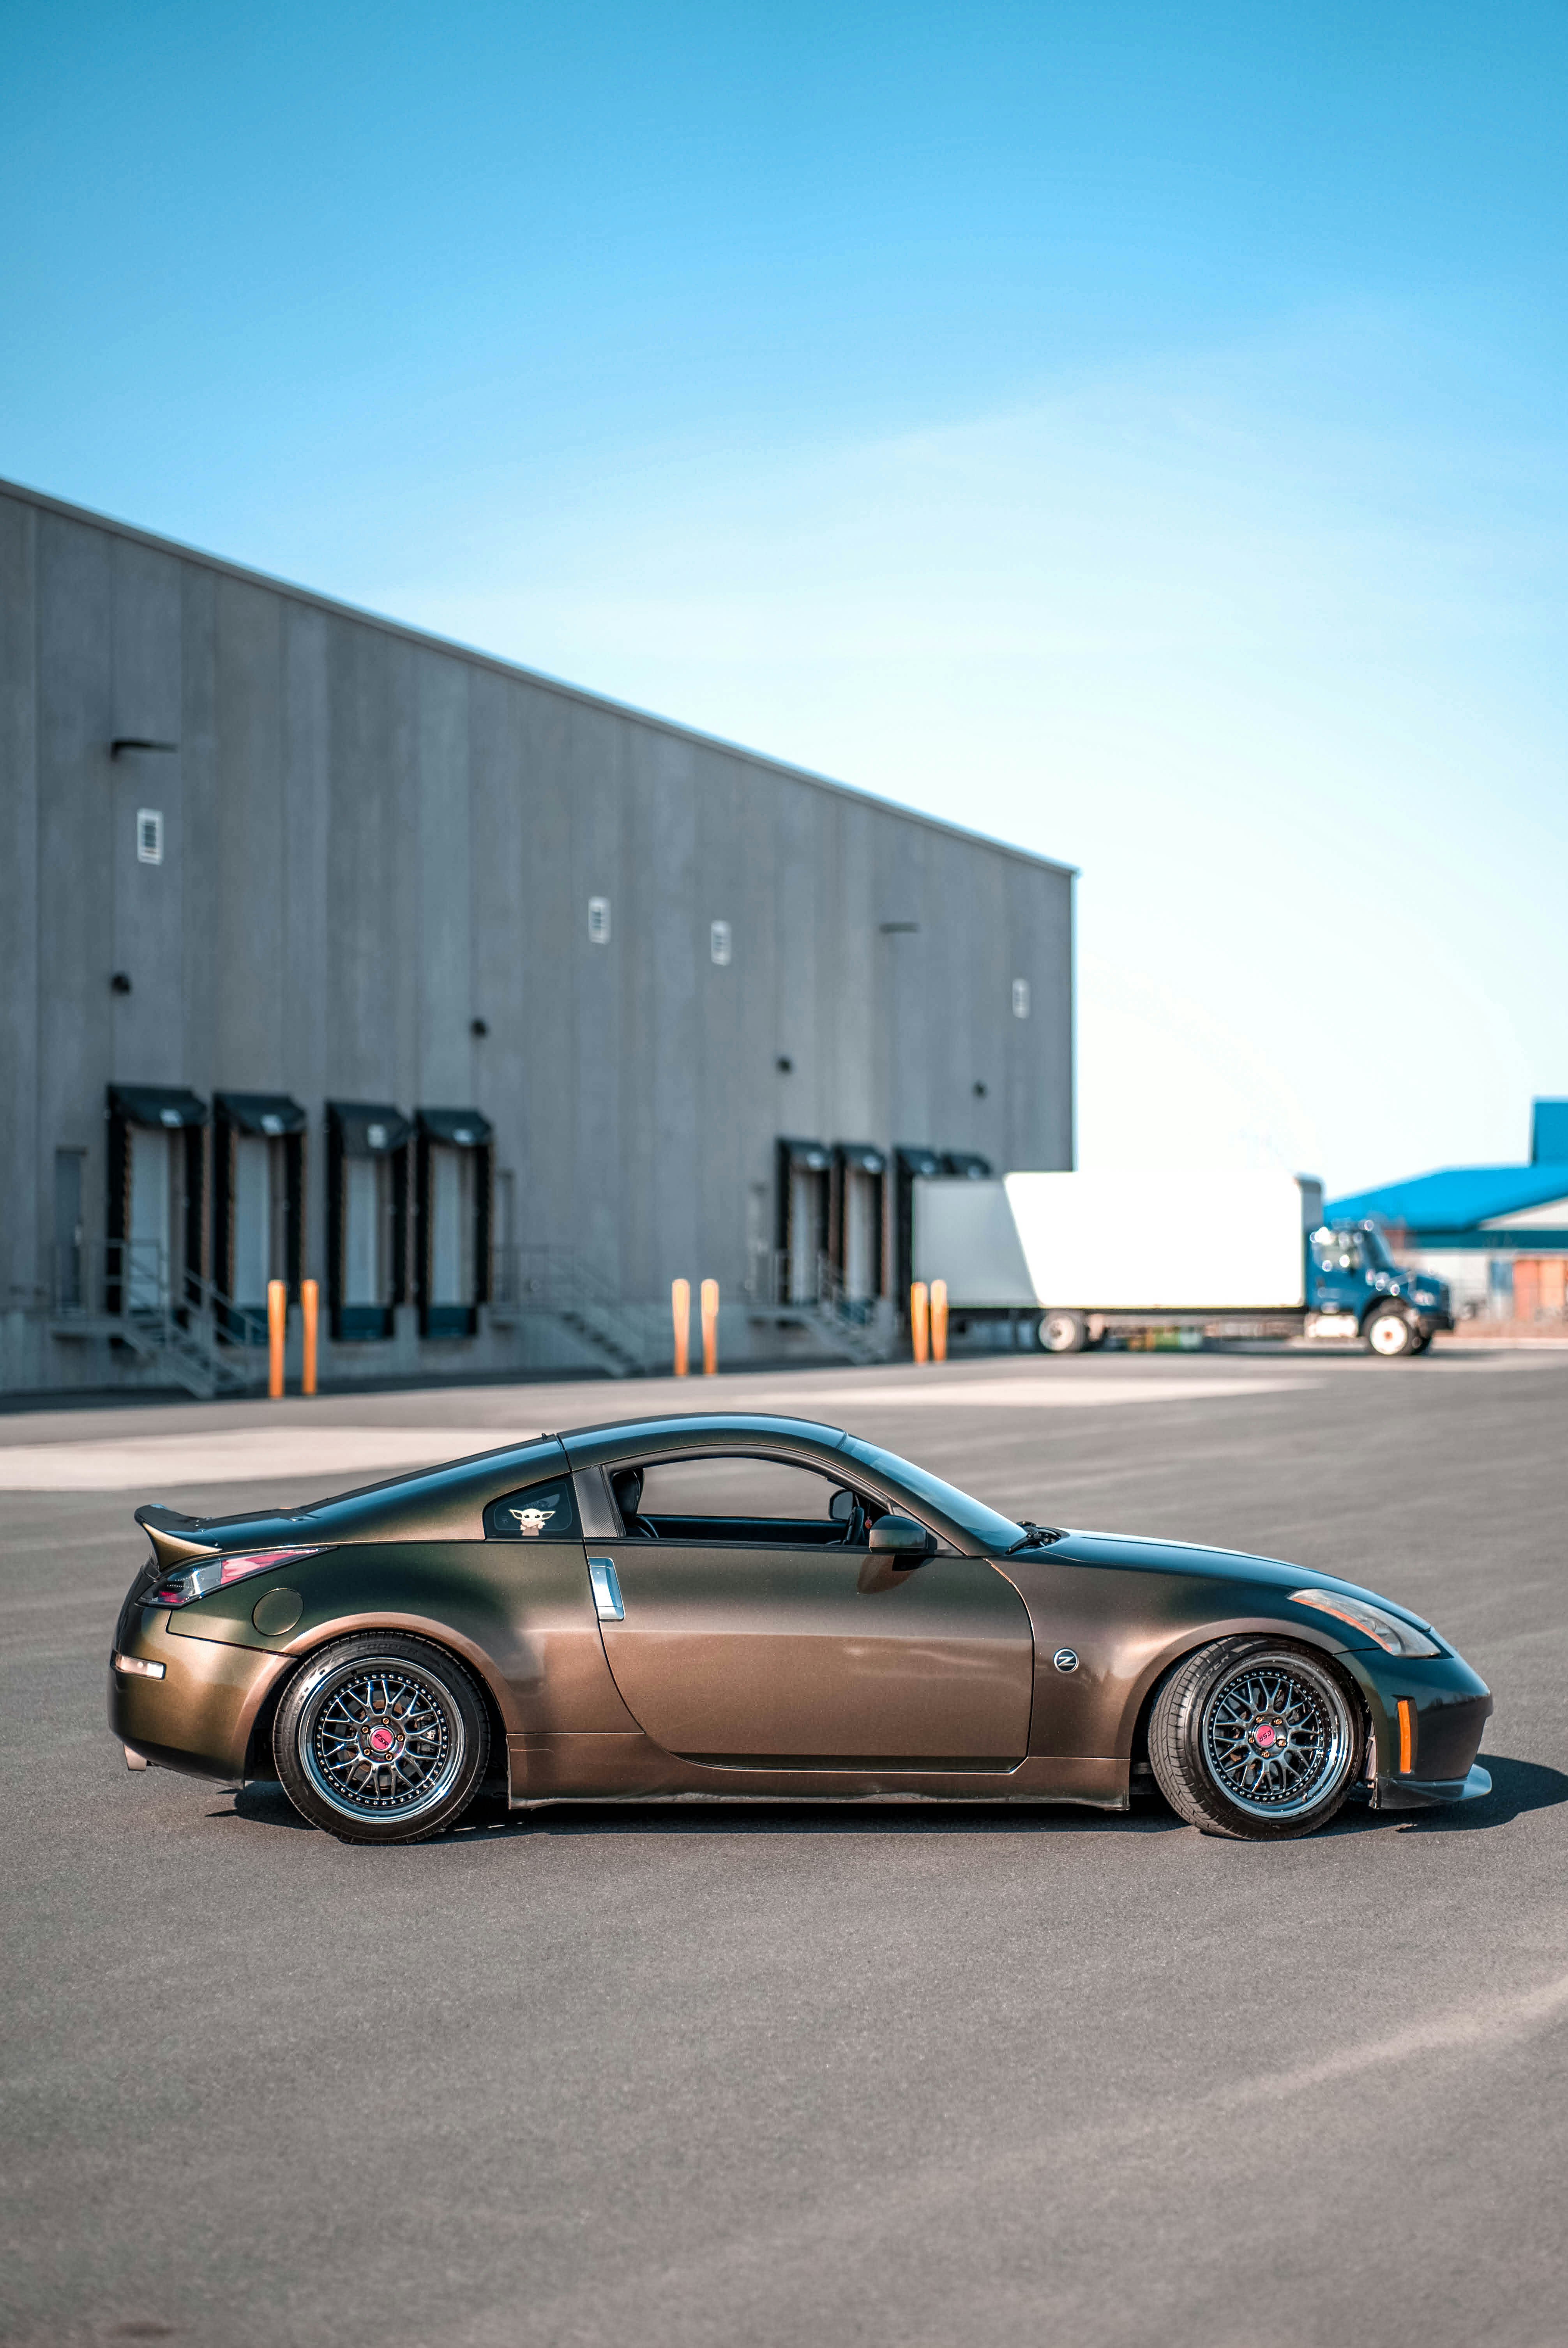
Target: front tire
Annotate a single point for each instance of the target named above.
(1389, 1333)
(381, 1738)
(1256, 1739)
(1061, 1332)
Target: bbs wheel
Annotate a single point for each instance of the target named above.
(1257, 1739)
(1061, 1332)
(1389, 1333)
(381, 1739)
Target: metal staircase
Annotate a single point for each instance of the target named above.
(122, 1292)
(858, 1329)
(629, 1340)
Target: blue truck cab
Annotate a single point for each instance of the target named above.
(1353, 1280)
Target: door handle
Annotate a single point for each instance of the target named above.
(607, 1603)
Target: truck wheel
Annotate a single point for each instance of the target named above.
(1387, 1332)
(1061, 1332)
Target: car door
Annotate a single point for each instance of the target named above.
(751, 1631)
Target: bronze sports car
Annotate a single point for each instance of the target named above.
(747, 1605)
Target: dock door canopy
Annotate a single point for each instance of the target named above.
(258, 1204)
(367, 1218)
(860, 1176)
(804, 1172)
(157, 1164)
(452, 1227)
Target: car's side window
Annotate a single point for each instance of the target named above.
(539, 1512)
(729, 1497)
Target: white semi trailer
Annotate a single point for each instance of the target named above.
(1221, 1255)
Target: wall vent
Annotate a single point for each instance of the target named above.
(148, 836)
(599, 920)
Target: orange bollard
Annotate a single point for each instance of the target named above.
(919, 1319)
(710, 1328)
(938, 1319)
(680, 1312)
(309, 1305)
(277, 1317)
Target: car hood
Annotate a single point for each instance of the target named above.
(1141, 1553)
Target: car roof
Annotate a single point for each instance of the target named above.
(699, 1431)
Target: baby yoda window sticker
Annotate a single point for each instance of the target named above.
(541, 1512)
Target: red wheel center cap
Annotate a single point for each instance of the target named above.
(1264, 1733)
(381, 1740)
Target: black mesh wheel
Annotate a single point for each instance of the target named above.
(381, 1738)
(1255, 1738)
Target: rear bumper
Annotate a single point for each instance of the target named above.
(198, 1717)
(1427, 1793)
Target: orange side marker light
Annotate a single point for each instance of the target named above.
(1407, 1734)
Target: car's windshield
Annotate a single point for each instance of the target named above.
(970, 1516)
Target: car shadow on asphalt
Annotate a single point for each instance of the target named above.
(1518, 1788)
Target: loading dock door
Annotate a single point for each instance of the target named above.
(150, 1217)
(367, 1198)
(452, 1240)
(155, 1197)
(253, 1215)
(258, 1205)
(451, 1226)
(861, 1171)
(803, 1171)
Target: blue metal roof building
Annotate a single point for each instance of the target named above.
(1469, 1222)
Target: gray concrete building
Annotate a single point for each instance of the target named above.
(329, 949)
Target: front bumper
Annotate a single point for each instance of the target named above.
(1428, 1793)
(1445, 1707)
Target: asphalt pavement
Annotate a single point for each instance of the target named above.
(697, 2075)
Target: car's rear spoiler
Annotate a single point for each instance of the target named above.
(175, 1538)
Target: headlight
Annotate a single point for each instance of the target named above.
(1394, 1636)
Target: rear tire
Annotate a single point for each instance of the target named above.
(1389, 1333)
(1256, 1739)
(1061, 1332)
(381, 1738)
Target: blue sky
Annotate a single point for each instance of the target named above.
(1136, 431)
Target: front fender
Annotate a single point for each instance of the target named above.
(1126, 1630)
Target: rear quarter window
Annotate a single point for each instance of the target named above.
(539, 1512)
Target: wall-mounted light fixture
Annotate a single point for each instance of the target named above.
(899, 929)
(137, 742)
(599, 921)
(120, 983)
(718, 941)
(478, 1027)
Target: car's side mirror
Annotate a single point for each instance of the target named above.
(904, 1537)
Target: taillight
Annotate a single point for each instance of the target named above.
(218, 1572)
